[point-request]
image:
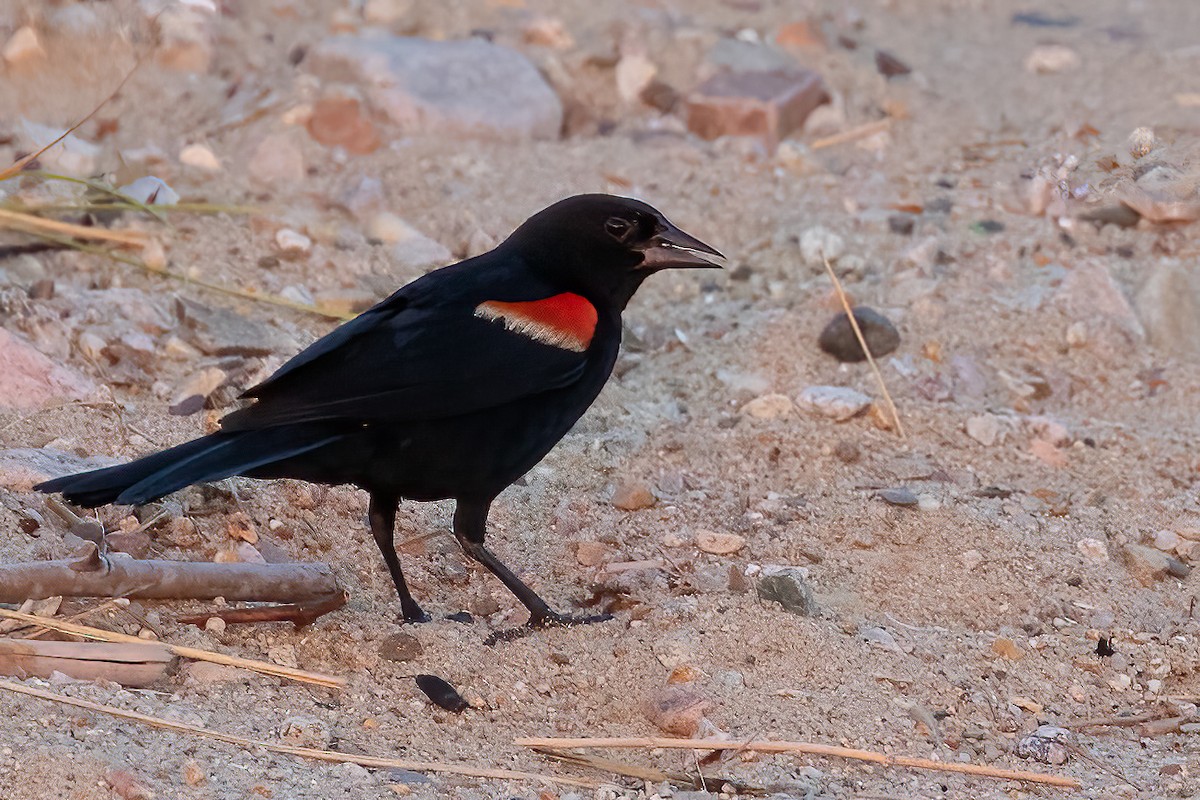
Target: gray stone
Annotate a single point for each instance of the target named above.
(221, 332)
(22, 467)
(836, 402)
(1169, 307)
(838, 338)
(467, 88)
(789, 587)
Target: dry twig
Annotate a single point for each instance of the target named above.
(841, 293)
(808, 748)
(859, 132)
(196, 654)
(128, 664)
(375, 762)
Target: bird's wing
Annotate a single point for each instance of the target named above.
(405, 360)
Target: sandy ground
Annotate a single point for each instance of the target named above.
(1007, 323)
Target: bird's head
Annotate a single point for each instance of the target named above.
(604, 246)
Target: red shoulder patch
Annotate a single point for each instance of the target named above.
(564, 320)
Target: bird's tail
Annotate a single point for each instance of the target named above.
(209, 458)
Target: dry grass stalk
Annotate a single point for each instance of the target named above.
(859, 132)
(807, 748)
(642, 773)
(375, 762)
(193, 653)
(862, 342)
(41, 226)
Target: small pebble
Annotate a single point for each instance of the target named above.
(632, 496)
(1050, 58)
(677, 710)
(200, 157)
(721, 544)
(836, 402)
(789, 587)
(22, 47)
(768, 406)
(292, 243)
(1048, 744)
(819, 243)
(838, 339)
(151, 191)
(899, 496)
(215, 625)
(889, 66)
(400, 647)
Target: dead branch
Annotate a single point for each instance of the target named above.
(266, 668)
(300, 614)
(810, 748)
(129, 664)
(167, 580)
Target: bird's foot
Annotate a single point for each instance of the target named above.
(538, 622)
(413, 615)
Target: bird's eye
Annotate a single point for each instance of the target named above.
(618, 228)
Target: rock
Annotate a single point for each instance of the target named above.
(135, 543)
(1092, 549)
(789, 587)
(800, 34)
(633, 74)
(292, 244)
(386, 12)
(765, 104)
(221, 332)
(1050, 58)
(30, 380)
(548, 32)
(1168, 306)
(838, 339)
(193, 773)
(1047, 453)
(24, 271)
(591, 554)
(467, 88)
(836, 402)
(200, 157)
(239, 527)
(889, 66)
(73, 156)
(676, 710)
(1089, 294)
(338, 121)
(899, 496)
(1148, 565)
(420, 253)
(1048, 744)
(819, 243)
(987, 429)
(1167, 541)
(207, 673)
(720, 544)
(22, 48)
(233, 552)
(185, 38)
(400, 647)
(363, 198)
(126, 785)
(151, 191)
(768, 406)
(1142, 141)
(632, 496)
(278, 158)
(22, 467)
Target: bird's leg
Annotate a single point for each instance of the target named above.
(382, 514)
(470, 526)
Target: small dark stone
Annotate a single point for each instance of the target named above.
(939, 205)
(1120, 215)
(135, 543)
(901, 224)
(660, 96)
(1104, 647)
(846, 451)
(1075, 580)
(987, 226)
(442, 694)
(400, 647)
(839, 341)
(789, 587)
(42, 290)
(741, 273)
(899, 496)
(889, 66)
(1036, 19)
(461, 616)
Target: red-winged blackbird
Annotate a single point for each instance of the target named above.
(453, 387)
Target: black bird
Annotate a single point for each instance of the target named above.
(453, 387)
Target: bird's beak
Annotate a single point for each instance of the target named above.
(671, 248)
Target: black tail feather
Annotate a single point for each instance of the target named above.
(209, 458)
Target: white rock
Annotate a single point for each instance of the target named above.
(768, 406)
(22, 47)
(836, 402)
(1050, 58)
(987, 429)
(389, 228)
(1167, 541)
(200, 157)
(1142, 141)
(150, 191)
(385, 12)
(1050, 430)
(293, 242)
(277, 158)
(819, 241)
(634, 73)
(72, 155)
(1093, 549)
(420, 252)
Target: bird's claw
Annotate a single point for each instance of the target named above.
(538, 622)
(414, 616)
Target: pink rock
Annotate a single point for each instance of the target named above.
(468, 88)
(29, 380)
(766, 104)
